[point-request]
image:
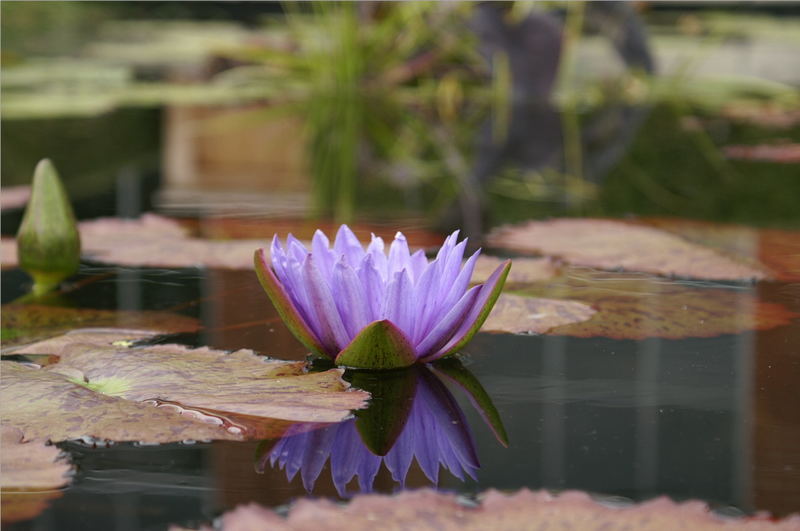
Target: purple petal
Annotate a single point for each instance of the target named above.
(319, 448)
(350, 299)
(417, 264)
(480, 311)
(446, 296)
(399, 256)
(332, 332)
(398, 306)
(278, 258)
(348, 245)
(374, 287)
(287, 306)
(325, 258)
(348, 451)
(445, 328)
(398, 459)
(461, 282)
(295, 249)
(379, 260)
(448, 244)
(425, 300)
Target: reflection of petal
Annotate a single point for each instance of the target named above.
(436, 434)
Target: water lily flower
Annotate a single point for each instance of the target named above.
(365, 308)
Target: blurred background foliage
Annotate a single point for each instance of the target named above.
(466, 113)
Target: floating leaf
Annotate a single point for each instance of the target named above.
(633, 306)
(155, 241)
(30, 465)
(25, 323)
(528, 315)
(428, 509)
(778, 250)
(614, 245)
(525, 270)
(112, 392)
(13, 197)
(8, 253)
(31, 473)
(48, 245)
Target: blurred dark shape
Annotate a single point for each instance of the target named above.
(534, 139)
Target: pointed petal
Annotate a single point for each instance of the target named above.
(374, 287)
(473, 322)
(417, 264)
(399, 256)
(381, 345)
(295, 248)
(285, 307)
(349, 453)
(379, 260)
(444, 329)
(398, 304)
(348, 293)
(332, 332)
(425, 299)
(448, 245)
(278, 258)
(317, 453)
(320, 246)
(347, 244)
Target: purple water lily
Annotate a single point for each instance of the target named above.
(436, 434)
(364, 308)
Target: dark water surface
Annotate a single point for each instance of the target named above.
(712, 418)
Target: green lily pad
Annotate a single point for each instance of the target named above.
(165, 393)
(26, 323)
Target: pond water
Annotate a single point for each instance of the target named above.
(708, 412)
(707, 418)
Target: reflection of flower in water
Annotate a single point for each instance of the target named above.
(435, 433)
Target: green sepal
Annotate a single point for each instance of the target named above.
(392, 395)
(283, 304)
(453, 370)
(48, 243)
(380, 345)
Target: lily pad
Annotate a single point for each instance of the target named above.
(778, 250)
(525, 270)
(167, 393)
(30, 465)
(14, 197)
(615, 245)
(25, 323)
(529, 315)
(154, 241)
(31, 474)
(636, 306)
(525, 509)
